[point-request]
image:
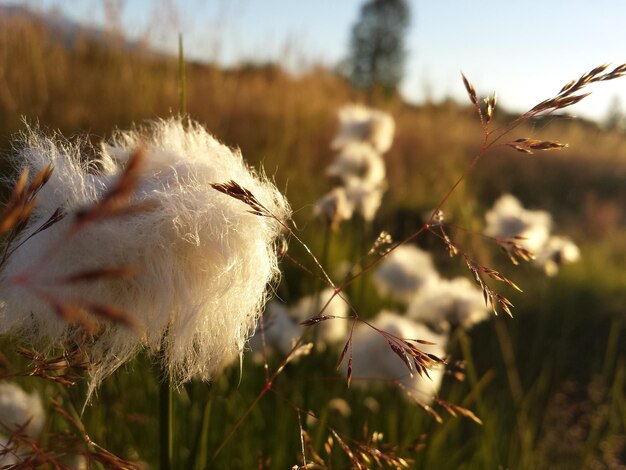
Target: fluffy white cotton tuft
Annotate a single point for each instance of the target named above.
(556, 252)
(203, 260)
(329, 332)
(358, 164)
(508, 218)
(334, 207)
(373, 361)
(279, 329)
(404, 272)
(359, 123)
(455, 302)
(365, 200)
(20, 410)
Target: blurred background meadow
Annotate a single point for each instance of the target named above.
(269, 78)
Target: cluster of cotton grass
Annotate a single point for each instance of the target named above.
(532, 231)
(359, 168)
(282, 325)
(435, 307)
(203, 260)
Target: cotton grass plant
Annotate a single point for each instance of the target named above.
(202, 264)
(168, 193)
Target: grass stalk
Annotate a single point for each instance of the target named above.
(182, 99)
(472, 376)
(166, 424)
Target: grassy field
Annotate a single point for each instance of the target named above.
(548, 384)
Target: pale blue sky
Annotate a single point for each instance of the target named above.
(524, 50)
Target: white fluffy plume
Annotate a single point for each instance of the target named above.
(404, 272)
(557, 251)
(203, 261)
(373, 360)
(454, 302)
(328, 332)
(20, 410)
(280, 331)
(508, 218)
(359, 123)
(283, 327)
(358, 164)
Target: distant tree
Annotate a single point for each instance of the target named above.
(377, 50)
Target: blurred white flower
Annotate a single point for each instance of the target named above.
(280, 330)
(455, 302)
(359, 123)
(508, 218)
(358, 164)
(557, 252)
(20, 410)
(203, 260)
(328, 332)
(404, 272)
(373, 361)
(334, 207)
(365, 200)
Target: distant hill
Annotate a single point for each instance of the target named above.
(63, 28)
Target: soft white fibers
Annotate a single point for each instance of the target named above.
(359, 123)
(404, 272)
(358, 164)
(557, 251)
(365, 200)
(455, 302)
(374, 362)
(280, 331)
(328, 332)
(508, 218)
(334, 207)
(203, 260)
(20, 410)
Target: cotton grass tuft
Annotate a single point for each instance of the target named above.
(20, 410)
(360, 123)
(508, 218)
(203, 261)
(404, 272)
(375, 363)
(449, 302)
(329, 332)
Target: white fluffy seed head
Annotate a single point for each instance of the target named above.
(20, 410)
(455, 302)
(365, 200)
(358, 164)
(334, 207)
(280, 330)
(508, 218)
(359, 123)
(328, 332)
(404, 272)
(556, 252)
(374, 362)
(203, 261)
